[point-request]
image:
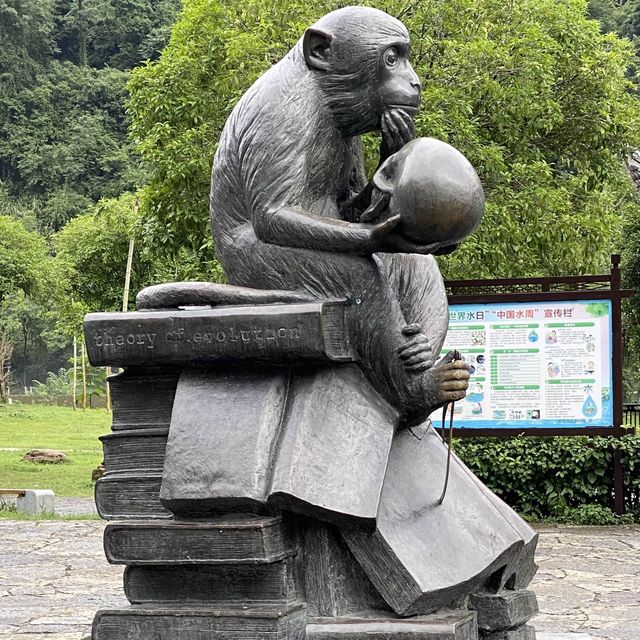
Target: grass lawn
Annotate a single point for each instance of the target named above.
(26, 427)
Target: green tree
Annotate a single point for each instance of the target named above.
(24, 259)
(91, 259)
(113, 33)
(91, 256)
(65, 141)
(28, 291)
(63, 146)
(610, 13)
(30, 323)
(532, 92)
(629, 23)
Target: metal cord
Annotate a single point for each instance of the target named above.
(449, 446)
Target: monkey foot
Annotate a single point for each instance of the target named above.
(447, 381)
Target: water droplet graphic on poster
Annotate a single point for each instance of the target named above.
(589, 408)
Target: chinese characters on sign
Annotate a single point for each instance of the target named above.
(534, 365)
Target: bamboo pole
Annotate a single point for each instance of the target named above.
(127, 286)
(84, 377)
(127, 275)
(75, 372)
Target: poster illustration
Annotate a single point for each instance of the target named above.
(534, 364)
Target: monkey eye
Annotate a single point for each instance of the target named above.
(391, 56)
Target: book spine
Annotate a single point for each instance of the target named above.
(219, 584)
(277, 333)
(124, 496)
(273, 621)
(143, 398)
(135, 450)
(230, 540)
(335, 332)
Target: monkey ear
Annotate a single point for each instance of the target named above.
(316, 46)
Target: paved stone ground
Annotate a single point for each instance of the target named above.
(75, 506)
(589, 581)
(53, 577)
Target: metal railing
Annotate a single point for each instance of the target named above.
(631, 415)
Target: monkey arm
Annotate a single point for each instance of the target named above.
(292, 227)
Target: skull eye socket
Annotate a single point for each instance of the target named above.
(391, 57)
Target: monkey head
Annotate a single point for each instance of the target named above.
(360, 57)
(433, 189)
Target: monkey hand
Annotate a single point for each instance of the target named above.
(416, 353)
(386, 238)
(447, 381)
(397, 129)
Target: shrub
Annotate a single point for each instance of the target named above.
(560, 478)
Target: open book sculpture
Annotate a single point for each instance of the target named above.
(271, 464)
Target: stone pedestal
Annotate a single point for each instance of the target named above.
(227, 577)
(252, 577)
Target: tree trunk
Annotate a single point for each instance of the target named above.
(82, 36)
(6, 351)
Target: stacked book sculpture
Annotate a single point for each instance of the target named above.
(252, 495)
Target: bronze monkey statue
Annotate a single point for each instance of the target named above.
(288, 185)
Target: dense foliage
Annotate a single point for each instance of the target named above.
(63, 128)
(555, 478)
(64, 146)
(532, 91)
(23, 258)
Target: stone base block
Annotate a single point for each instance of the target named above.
(504, 610)
(196, 623)
(523, 632)
(36, 502)
(454, 625)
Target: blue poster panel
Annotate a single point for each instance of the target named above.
(534, 364)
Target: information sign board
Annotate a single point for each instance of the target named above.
(534, 365)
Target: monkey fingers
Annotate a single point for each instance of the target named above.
(420, 367)
(453, 396)
(376, 209)
(454, 385)
(420, 356)
(411, 329)
(457, 370)
(402, 245)
(413, 348)
(416, 354)
(384, 228)
(391, 132)
(404, 124)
